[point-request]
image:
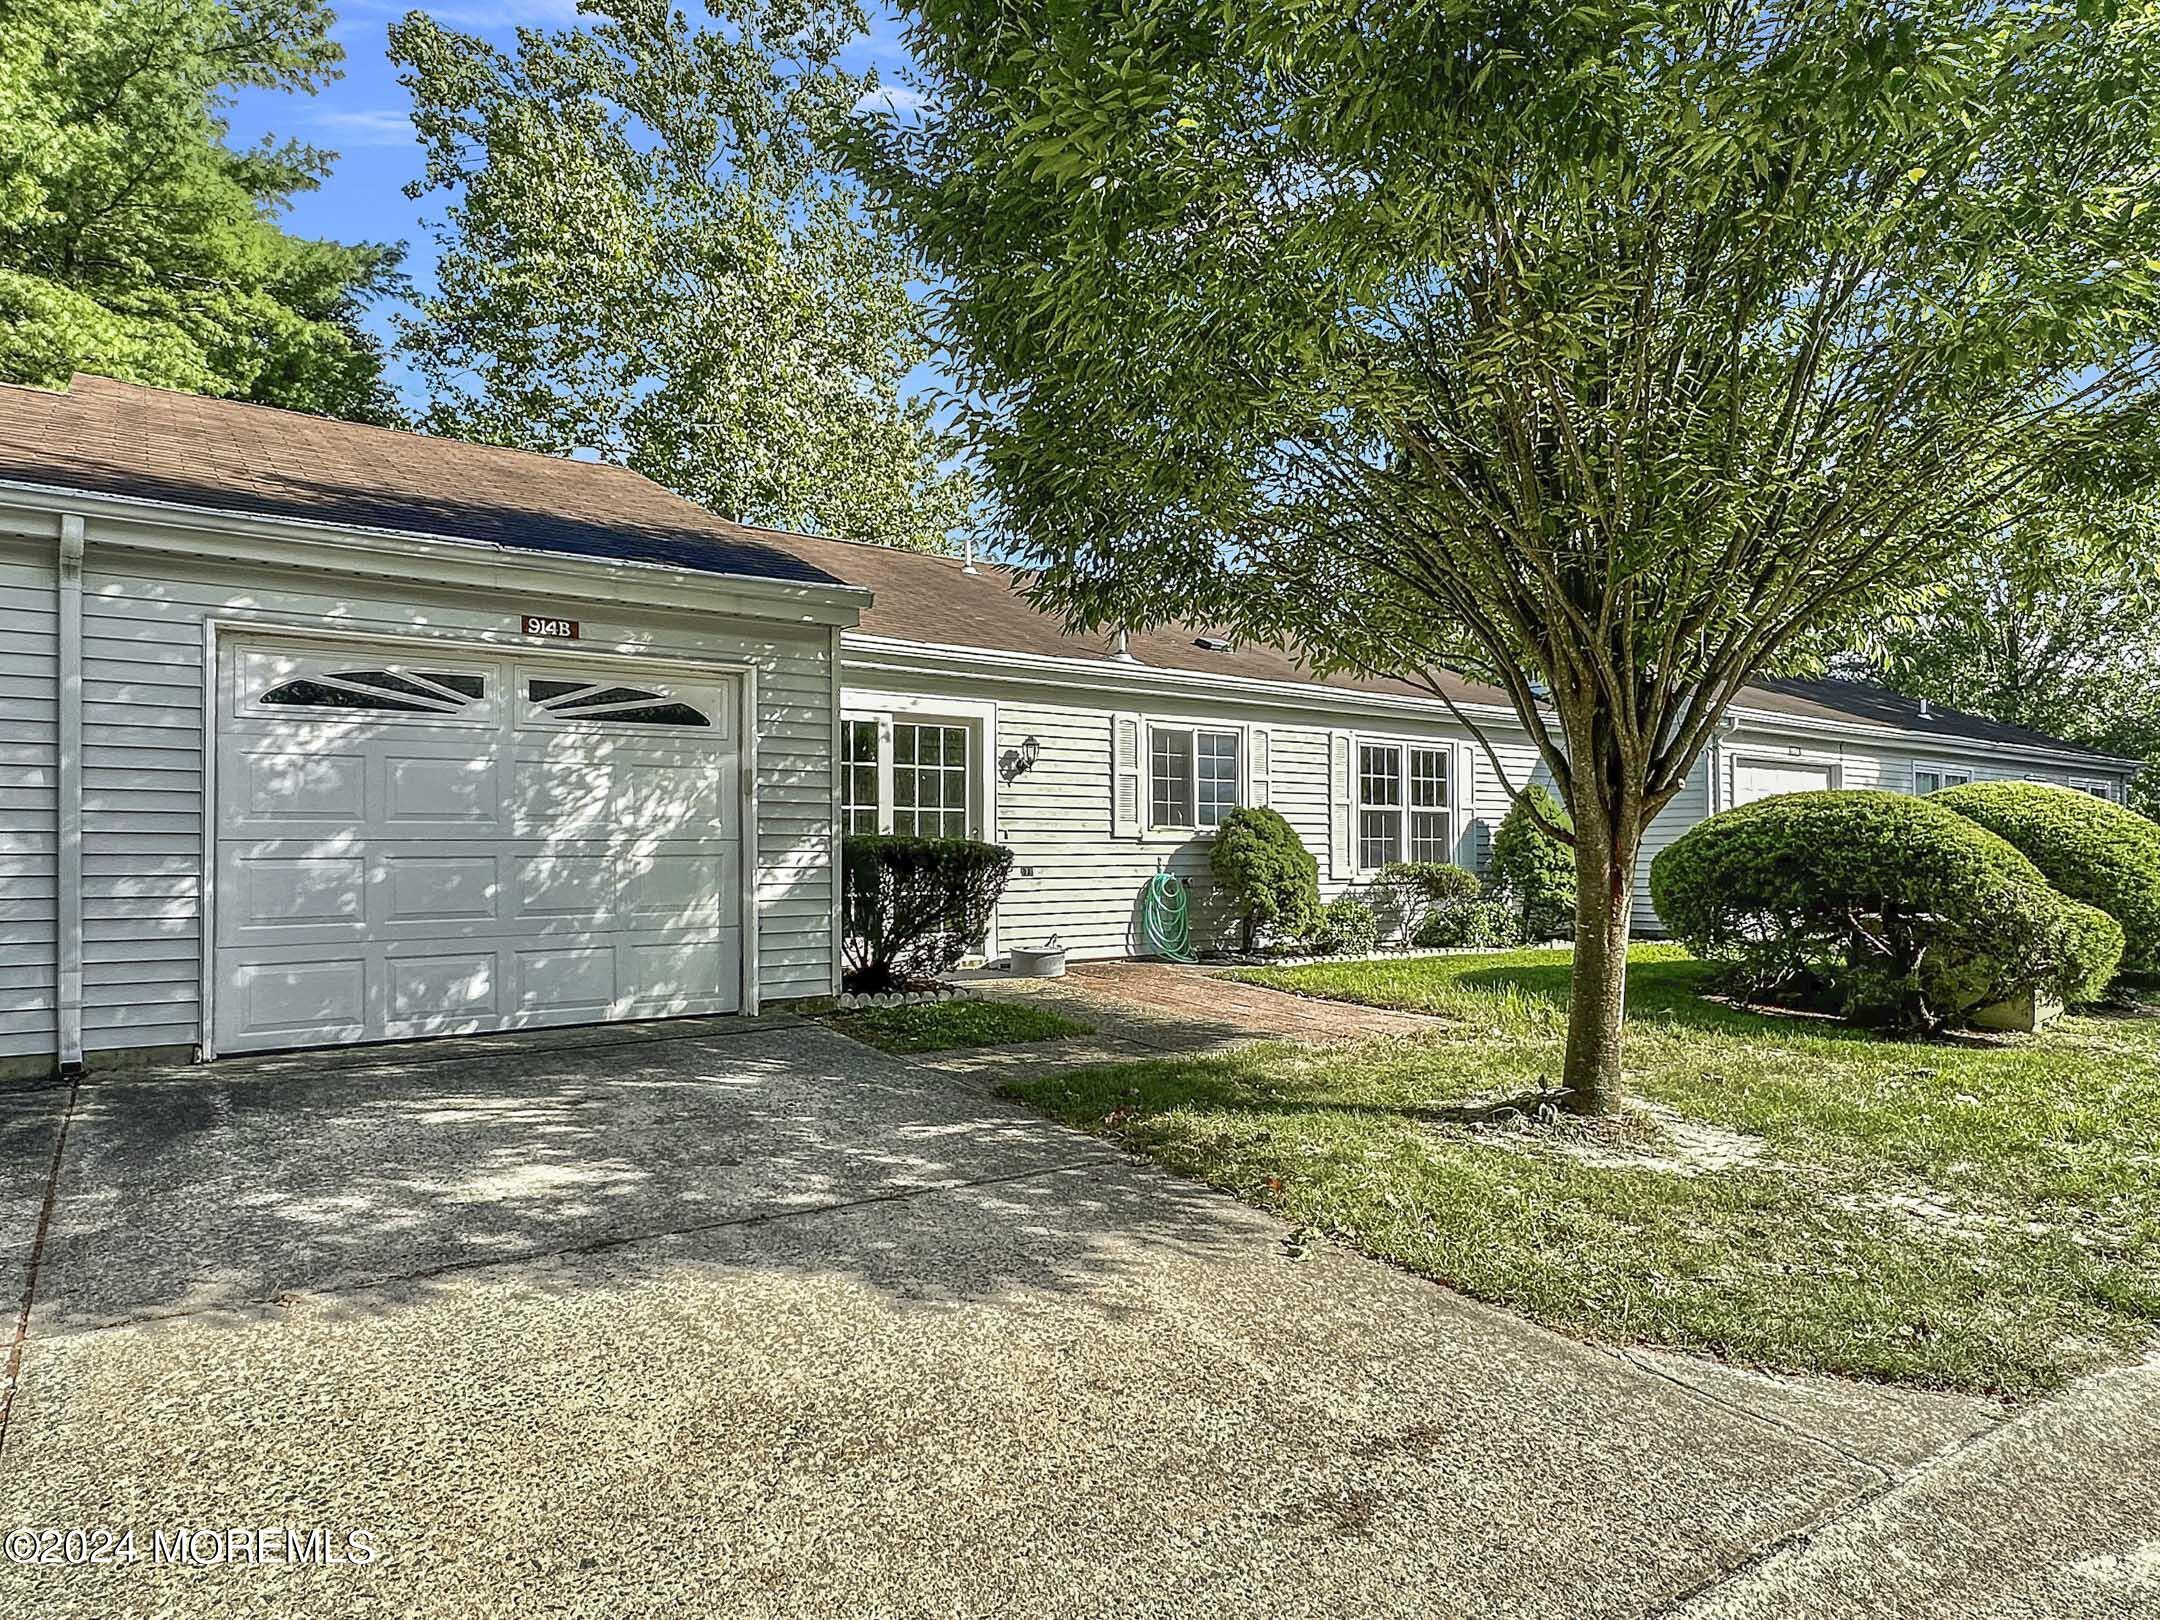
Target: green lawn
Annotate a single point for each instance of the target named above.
(941, 1026)
(1977, 1214)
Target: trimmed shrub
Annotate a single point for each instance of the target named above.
(1886, 908)
(1408, 895)
(1532, 871)
(1480, 924)
(2088, 848)
(1265, 876)
(1346, 927)
(910, 908)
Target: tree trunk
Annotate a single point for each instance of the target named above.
(1597, 1006)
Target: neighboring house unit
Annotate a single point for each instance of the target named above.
(312, 732)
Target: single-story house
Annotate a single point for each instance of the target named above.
(313, 732)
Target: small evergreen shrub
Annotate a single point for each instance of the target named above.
(1483, 924)
(1346, 927)
(1883, 907)
(2088, 848)
(1407, 895)
(910, 908)
(1265, 876)
(1532, 871)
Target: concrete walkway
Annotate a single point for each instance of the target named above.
(744, 1320)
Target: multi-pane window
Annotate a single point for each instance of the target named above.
(858, 776)
(1218, 777)
(1380, 805)
(1192, 776)
(1929, 778)
(930, 780)
(1170, 774)
(1428, 804)
(1402, 805)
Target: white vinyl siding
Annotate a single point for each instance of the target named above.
(29, 744)
(143, 772)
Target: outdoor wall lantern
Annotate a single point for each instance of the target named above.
(1019, 761)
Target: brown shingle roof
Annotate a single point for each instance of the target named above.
(116, 438)
(119, 439)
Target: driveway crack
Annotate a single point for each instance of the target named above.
(46, 1204)
(595, 1245)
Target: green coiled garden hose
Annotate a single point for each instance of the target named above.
(1166, 917)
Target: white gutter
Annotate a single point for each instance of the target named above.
(68, 798)
(894, 655)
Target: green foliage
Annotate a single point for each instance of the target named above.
(1481, 923)
(1531, 871)
(2050, 624)
(911, 908)
(1266, 877)
(644, 254)
(1888, 908)
(135, 243)
(1345, 926)
(1408, 894)
(1602, 352)
(2087, 848)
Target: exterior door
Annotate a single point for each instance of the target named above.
(414, 845)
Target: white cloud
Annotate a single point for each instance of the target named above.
(367, 126)
(892, 98)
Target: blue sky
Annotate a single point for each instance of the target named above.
(362, 117)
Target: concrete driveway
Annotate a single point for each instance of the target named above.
(748, 1320)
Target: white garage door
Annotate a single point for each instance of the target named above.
(1759, 778)
(417, 845)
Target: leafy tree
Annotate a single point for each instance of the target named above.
(2053, 622)
(642, 256)
(134, 242)
(1598, 349)
(1532, 871)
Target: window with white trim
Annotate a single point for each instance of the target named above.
(1931, 778)
(1194, 775)
(2098, 787)
(858, 776)
(1403, 804)
(383, 690)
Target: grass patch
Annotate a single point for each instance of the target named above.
(943, 1026)
(1972, 1214)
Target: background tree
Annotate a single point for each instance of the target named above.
(134, 242)
(2052, 622)
(642, 256)
(1599, 349)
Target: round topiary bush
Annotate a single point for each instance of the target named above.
(1532, 870)
(2088, 848)
(1265, 875)
(1887, 908)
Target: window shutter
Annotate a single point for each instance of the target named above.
(1462, 801)
(1342, 807)
(1125, 782)
(1257, 765)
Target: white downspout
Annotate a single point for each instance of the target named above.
(67, 794)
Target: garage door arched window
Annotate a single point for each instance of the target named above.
(605, 702)
(389, 691)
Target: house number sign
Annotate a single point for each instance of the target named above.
(559, 629)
